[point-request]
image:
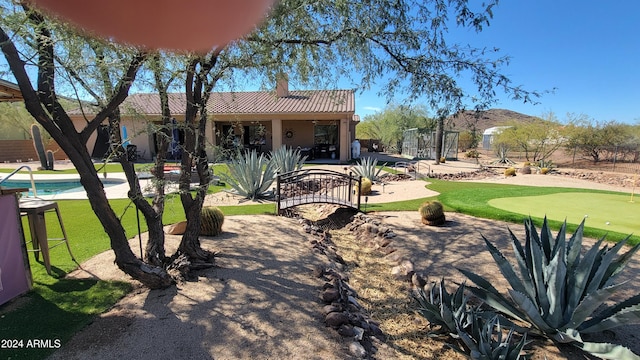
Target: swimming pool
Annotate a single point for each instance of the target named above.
(54, 187)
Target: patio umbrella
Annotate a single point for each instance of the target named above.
(125, 137)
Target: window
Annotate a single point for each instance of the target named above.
(325, 134)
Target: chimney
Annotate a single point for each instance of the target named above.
(282, 86)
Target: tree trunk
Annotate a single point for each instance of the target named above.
(439, 138)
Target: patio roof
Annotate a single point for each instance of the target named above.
(253, 102)
(9, 91)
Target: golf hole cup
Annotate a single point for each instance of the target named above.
(187, 25)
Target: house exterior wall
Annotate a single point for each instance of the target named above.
(140, 132)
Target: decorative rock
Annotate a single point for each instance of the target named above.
(346, 331)
(336, 319)
(177, 228)
(330, 295)
(327, 309)
(359, 332)
(357, 350)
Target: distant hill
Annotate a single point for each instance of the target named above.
(486, 119)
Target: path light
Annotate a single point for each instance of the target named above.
(383, 184)
(366, 200)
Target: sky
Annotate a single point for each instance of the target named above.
(587, 50)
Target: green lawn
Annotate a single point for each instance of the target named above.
(609, 212)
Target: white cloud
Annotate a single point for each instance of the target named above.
(372, 108)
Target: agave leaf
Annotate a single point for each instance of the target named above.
(557, 273)
(610, 311)
(580, 279)
(505, 268)
(496, 301)
(627, 316)
(608, 351)
(619, 264)
(522, 265)
(532, 312)
(590, 303)
(567, 336)
(598, 279)
(546, 239)
(536, 271)
(574, 246)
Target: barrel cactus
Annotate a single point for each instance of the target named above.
(510, 172)
(432, 213)
(211, 219)
(365, 184)
(544, 171)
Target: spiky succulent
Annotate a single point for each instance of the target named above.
(287, 159)
(443, 310)
(250, 175)
(557, 290)
(487, 340)
(368, 168)
(432, 213)
(211, 220)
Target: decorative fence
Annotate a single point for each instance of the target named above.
(317, 186)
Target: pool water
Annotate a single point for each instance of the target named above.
(49, 187)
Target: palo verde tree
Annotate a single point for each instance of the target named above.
(537, 139)
(389, 124)
(25, 35)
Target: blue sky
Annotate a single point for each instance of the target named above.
(589, 51)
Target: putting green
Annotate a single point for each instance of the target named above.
(603, 211)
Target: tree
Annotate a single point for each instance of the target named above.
(43, 104)
(389, 124)
(538, 139)
(595, 139)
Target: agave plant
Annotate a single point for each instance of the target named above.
(445, 312)
(286, 160)
(368, 168)
(250, 175)
(487, 340)
(557, 291)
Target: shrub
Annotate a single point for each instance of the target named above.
(472, 154)
(510, 172)
(246, 175)
(526, 170)
(557, 290)
(366, 186)
(211, 220)
(368, 168)
(286, 160)
(432, 213)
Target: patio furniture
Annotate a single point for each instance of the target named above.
(35, 210)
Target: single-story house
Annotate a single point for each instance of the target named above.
(320, 122)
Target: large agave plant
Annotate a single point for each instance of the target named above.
(287, 159)
(250, 175)
(557, 290)
(368, 168)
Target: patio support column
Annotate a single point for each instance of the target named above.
(345, 146)
(276, 133)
